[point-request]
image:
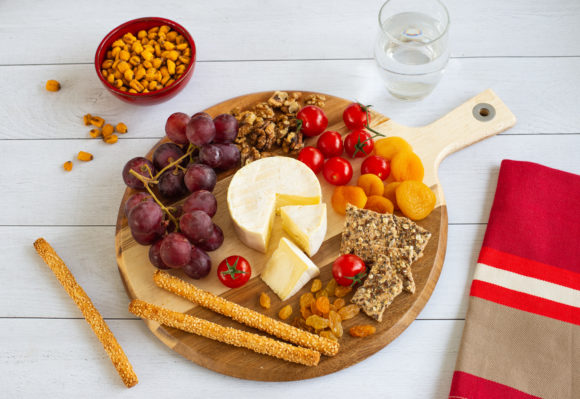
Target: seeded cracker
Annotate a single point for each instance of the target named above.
(411, 236)
(379, 290)
(401, 261)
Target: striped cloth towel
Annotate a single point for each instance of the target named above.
(522, 331)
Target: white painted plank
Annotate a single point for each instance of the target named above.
(36, 190)
(30, 290)
(62, 358)
(542, 93)
(233, 30)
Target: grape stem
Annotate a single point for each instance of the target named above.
(176, 162)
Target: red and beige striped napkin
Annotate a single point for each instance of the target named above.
(522, 331)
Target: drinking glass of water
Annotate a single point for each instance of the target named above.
(412, 46)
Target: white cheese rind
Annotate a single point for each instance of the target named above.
(258, 189)
(288, 270)
(306, 225)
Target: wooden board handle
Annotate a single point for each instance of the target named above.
(482, 116)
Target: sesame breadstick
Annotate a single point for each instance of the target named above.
(244, 315)
(91, 314)
(228, 335)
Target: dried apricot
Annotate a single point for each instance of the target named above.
(407, 165)
(344, 195)
(265, 300)
(363, 330)
(339, 303)
(316, 285)
(348, 312)
(335, 323)
(415, 199)
(341, 291)
(371, 184)
(390, 146)
(285, 312)
(390, 193)
(331, 287)
(317, 322)
(323, 304)
(328, 334)
(379, 204)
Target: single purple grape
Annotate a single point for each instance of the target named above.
(230, 156)
(146, 238)
(210, 155)
(200, 177)
(155, 255)
(135, 199)
(200, 264)
(215, 240)
(226, 128)
(145, 218)
(200, 130)
(139, 165)
(196, 226)
(175, 127)
(204, 114)
(175, 250)
(165, 154)
(171, 184)
(201, 200)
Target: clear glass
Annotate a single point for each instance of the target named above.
(411, 49)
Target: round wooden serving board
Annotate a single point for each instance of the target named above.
(463, 126)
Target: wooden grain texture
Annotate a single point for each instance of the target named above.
(450, 133)
(254, 30)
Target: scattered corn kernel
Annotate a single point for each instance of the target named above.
(96, 132)
(52, 85)
(97, 121)
(121, 127)
(87, 119)
(85, 156)
(67, 166)
(112, 139)
(108, 130)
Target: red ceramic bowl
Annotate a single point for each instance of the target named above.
(134, 26)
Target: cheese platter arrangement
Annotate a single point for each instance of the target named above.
(297, 225)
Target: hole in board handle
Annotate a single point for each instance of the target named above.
(483, 112)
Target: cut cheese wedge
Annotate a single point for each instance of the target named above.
(306, 225)
(259, 189)
(288, 270)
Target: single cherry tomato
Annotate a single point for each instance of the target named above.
(355, 116)
(314, 121)
(337, 171)
(312, 157)
(377, 166)
(358, 144)
(349, 270)
(330, 144)
(234, 271)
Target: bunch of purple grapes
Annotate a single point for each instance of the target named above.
(182, 240)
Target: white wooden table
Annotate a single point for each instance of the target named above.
(527, 51)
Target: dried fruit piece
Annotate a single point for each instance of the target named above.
(415, 199)
(285, 312)
(317, 322)
(305, 312)
(339, 303)
(348, 312)
(316, 285)
(52, 85)
(331, 287)
(390, 146)
(335, 323)
(363, 330)
(85, 156)
(265, 300)
(344, 195)
(342, 291)
(306, 300)
(314, 309)
(328, 334)
(389, 193)
(67, 166)
(407, 165)
(112, 139)
(323, 304)
(321, 293)
(379, 204)
(371, 184)
(121, 127)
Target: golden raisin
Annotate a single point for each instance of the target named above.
(317, 322)
(265, 300)
(342, 291)
(85, 156)
(316, 285)
(305, 312)
(321, 293)
(52, 85)
(67, 166)
(328, 334)
(363, 330)
(306, 299)
(339, 303)
(285, 312)
(348, 312)
(335, 323)
(323, 304)
(331, 287)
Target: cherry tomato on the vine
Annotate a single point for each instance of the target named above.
(355, 116)
(330, 144)
(314, 120)
(337, 171)
(312, 157)
(349, 270)
(358, 144)
(234, 271)
(377, 166)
